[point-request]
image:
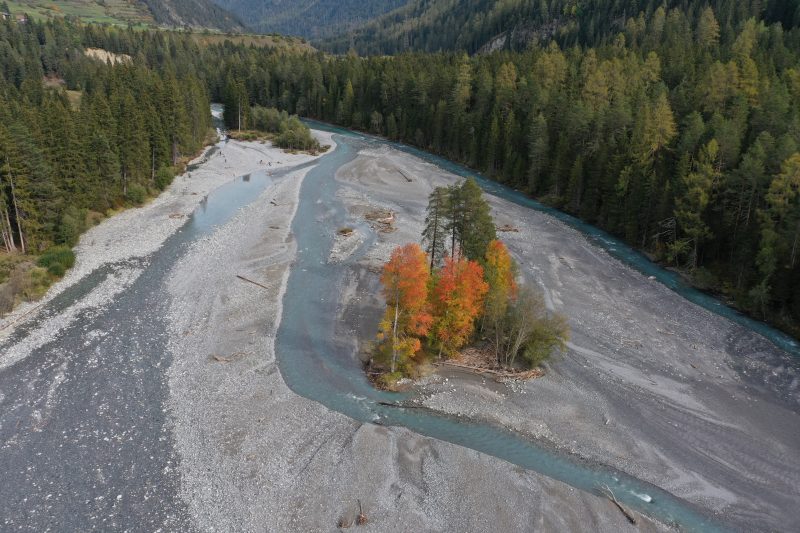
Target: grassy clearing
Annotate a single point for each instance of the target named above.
(116, 12)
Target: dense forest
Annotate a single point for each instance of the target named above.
(307, 18)
(79, 137)
(680, 134)
(481, 25)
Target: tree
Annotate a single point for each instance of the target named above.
(477, 228)
(528, 330)
(405, 281)
(499, 270)
(691, 206)
(458, 293)
(434, 234)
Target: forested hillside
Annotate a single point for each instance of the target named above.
(67, 157)
(681, 134)
(138, 13)
(481, 25)
(194, 14)
(307, 18)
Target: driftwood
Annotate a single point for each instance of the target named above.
(610, 495)
(528, 374)
(401, 405)
(253, 282)
(20, 317)
(508, 227)
(232, 357)
(361, 519)
(404, 175)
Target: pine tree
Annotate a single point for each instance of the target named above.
(434, 235)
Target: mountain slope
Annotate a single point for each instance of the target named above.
(172, 13)
(476, 25)
(194, 13)
(307, 18)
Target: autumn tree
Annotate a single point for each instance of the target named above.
(499, 269)
(405, 282)
(457, 301)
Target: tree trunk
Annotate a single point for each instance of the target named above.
(394, 334)
(16, 211)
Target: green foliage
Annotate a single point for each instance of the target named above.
(307, 18)
(137, 194)
(656, 129)
(73, 223)
(164, 177)
(61, 158)
(529, 331)
(57, 260)
(474, 25)
(289, 132)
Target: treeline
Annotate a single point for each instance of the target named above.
(480, 25)
(680, 141)
(79, 137)
(109, 140)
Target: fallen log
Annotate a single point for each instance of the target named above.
(20, 317)
(401, 405)
(232, 357)
(253, 282)
(610, 495)
(535, 373)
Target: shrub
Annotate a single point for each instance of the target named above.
(137, 194)
(164, 177)
(57, 260)
(73, 223)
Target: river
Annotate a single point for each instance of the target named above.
(126, 338)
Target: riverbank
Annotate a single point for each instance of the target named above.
(255, 455)
(124, 241)
(652, 384)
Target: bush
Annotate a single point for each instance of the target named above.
(57, 260)
(73, 223)
(164, 177)
(137, 194)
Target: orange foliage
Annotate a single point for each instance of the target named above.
(457, 301)
(405, 281)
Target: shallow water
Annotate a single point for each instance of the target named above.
(317, 365)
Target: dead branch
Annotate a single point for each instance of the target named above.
(525, 375)
(606, 490)
(232, 357)
(253, 282)
(361, 519)
(20, 317)
(401, 405)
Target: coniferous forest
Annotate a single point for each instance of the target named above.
(680, 132)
